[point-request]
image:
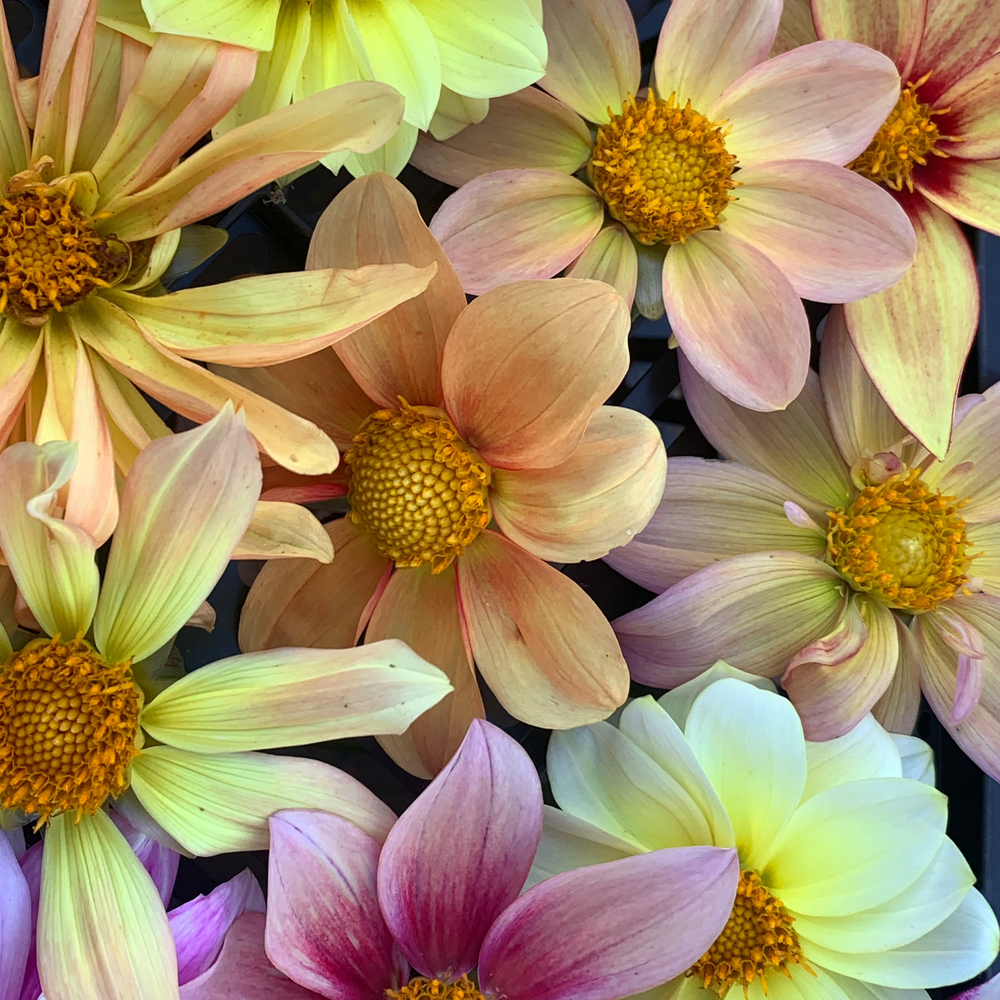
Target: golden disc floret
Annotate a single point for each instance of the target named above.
(908, 136)
(421, 988)
(758, 939)
(662, 170)
(419, 488)
(68, 728)
(901, 542)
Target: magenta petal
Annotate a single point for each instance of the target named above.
(461, 853)
(611, 930)
(243, 971)
(200, 925)
(31, 868)
(324, 928)
(15, 923)
(159, 861)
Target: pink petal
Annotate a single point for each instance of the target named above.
(700, 54)
(958, 34)
(16, 927)
(966, 189)
(442, 883)
(899, 706)
(822, 101)
(754, 611)
(620, 927)
(894, 27)
(31, 867)
(835, 235)
(516, 224)
(243, 971)
(835, 681)
(964, 639)
(159, 861)
(738, 319)
(324, 928)
(200, 925)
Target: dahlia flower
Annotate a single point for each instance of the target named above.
(848, 883)
(447, 58)
(477, 448)
(412, 919)
(725, 180)
(74, 714)
(835, 552)
(92, 214)
(938, 153)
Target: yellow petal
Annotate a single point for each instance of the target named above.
(284, 531)
(454, 112)
(102, 929)
(611, 258)
(239, 22)
(14, 144)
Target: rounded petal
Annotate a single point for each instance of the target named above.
(867, 751)
(324, 928)
(591, 933)
(699, 55)
(598, 499)
(738, 319)
(893, 27)
(187, 502)
(528, 365)
(794, 445)
(568, 843)
(236, 23)
(710, 511)
(754, 611)
(15, 923)
(515, 224)
(610, 258)
(823, 101)
(835, 235)
(593, 55)
(280, 530)
(913, 338)
(677, 702)
(544, 648)
(526, 129)
(442, 884)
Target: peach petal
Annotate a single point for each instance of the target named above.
(611, 258)
(966, 189)
(899, 706)
(893, 27)
(20, 351)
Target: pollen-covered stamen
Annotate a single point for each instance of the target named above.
(906, 139)
(417, 486)
(68, 727)
(902, 543)
(662, 170)
(421, 988)
(758, 938)
(50, 256)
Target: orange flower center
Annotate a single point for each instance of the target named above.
(758, 938)
(417, 486)
(50, 256)
(903, 142)
(420, 988)
(68, 728)
(902, 543)
(662, 170)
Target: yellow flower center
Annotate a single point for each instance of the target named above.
(420, 988)
(903, 142)
(758, 938)
(50, 256)
(902, 543)
(662, 170)
(68, 728)
(417, 486)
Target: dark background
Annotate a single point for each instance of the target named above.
(269, 232)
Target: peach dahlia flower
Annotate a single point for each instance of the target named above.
(91, 216)
(726, 182)
(938, 152)
(478, 449)
(833, 551)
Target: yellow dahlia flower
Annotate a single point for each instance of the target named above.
(91, 214)
(76, 730)
(848, 883)
(446, 57)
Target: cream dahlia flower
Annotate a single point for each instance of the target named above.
(725, 179)
(848, 885)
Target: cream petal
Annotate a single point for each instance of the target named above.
(14, 137)
(593, 55)
(455, 112)
(985, 538)
(677, 703)
(610, 258)
(284, 531)
(866, 751)
(894, 27)
(916, 757)
(20, 351)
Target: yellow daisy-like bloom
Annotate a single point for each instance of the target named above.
(80, 725)
(446, 57)
(96, 208)
(833, 903)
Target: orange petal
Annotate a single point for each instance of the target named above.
(545, 649)
(893, 27)
(611, 258)
(528, 364)
(600, 498)
(422, 609)
(375, 220)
